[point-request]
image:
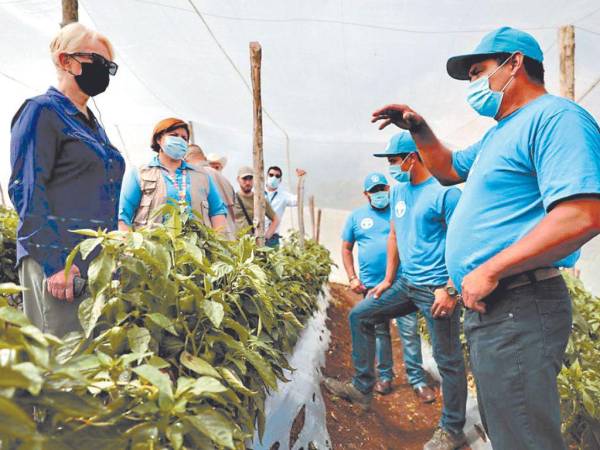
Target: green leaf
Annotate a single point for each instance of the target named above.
(138, 339)
(262, 367)
(214, 311)
(14, 316)
(588, 403)
(232, 379)
(14, 422)
(24, 375)
(10, 289)
(215, 426)
(208, 384)
(100, 272)
(157, 378)
(89, 312)
(35, 334)
(86, 247)
(198, 365)
(162, 321)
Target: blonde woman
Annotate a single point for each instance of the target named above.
(66, 175)
(168, 178)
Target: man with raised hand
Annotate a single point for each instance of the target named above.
(420, 212)
(530, 201)
(279, 198)
(369, 227)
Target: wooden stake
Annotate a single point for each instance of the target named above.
(2, 195)
(318, 237)
(301, 209)
(257, 148)
(192, 134)
(566, 38)
(311, 210)
(70, 12)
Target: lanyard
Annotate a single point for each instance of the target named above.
(181, 190)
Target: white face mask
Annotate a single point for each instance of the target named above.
(273, 182)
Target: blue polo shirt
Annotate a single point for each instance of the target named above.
(545, 152)
(65, 176)
(370, 228)
(131, 193)
(421, 214)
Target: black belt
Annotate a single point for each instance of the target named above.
(529, 277)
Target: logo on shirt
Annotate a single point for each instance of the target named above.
(366, 223)
(400, 208)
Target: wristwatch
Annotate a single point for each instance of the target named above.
(351, 279)
(452, 292)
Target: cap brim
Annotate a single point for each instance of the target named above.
(458, 66)
(384, 155)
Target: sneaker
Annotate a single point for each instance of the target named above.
(348, 392)
(445, 440)
(383, 387)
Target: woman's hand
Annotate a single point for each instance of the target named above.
(61, 287)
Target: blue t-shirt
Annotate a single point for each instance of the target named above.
(370, 228)
(131, 192)
(542, 153)
(421, 213)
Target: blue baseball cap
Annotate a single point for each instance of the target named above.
(399, 144)
(502, 40)
(374, 179)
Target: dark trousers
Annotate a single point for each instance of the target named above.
(517, 349)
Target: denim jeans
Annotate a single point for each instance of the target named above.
(408, 329)
(516, 350)
(400, 299)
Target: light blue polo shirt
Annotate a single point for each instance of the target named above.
(131, 192)
(421, 213)
(542, 153)
(370, 228)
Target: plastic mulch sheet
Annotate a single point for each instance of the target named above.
(296, 411)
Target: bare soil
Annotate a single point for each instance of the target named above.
(397, 421)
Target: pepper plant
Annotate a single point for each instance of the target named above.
(184, 334)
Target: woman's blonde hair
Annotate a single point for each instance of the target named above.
(71, 37)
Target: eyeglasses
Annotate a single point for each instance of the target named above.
(276, 175)
(248, 178)
(95, 57)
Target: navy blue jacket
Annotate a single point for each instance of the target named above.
(66, 176)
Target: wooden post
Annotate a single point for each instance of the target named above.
(192, 134)
(70, 12)
(301, 209)
(257, 148)
(319, 213)
(311, 210)
(2, 195)
(566, 38)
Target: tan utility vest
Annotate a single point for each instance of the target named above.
(154, 194)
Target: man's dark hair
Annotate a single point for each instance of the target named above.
(277, 168)
(533, 68)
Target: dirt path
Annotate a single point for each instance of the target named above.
(397, 421)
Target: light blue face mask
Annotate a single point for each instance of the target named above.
(380, 200)
(396, 172)
(481, 97)
(273, 182)
(175, 147)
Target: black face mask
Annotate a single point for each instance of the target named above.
(94, 78)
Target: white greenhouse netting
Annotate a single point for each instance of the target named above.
(326, 66)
